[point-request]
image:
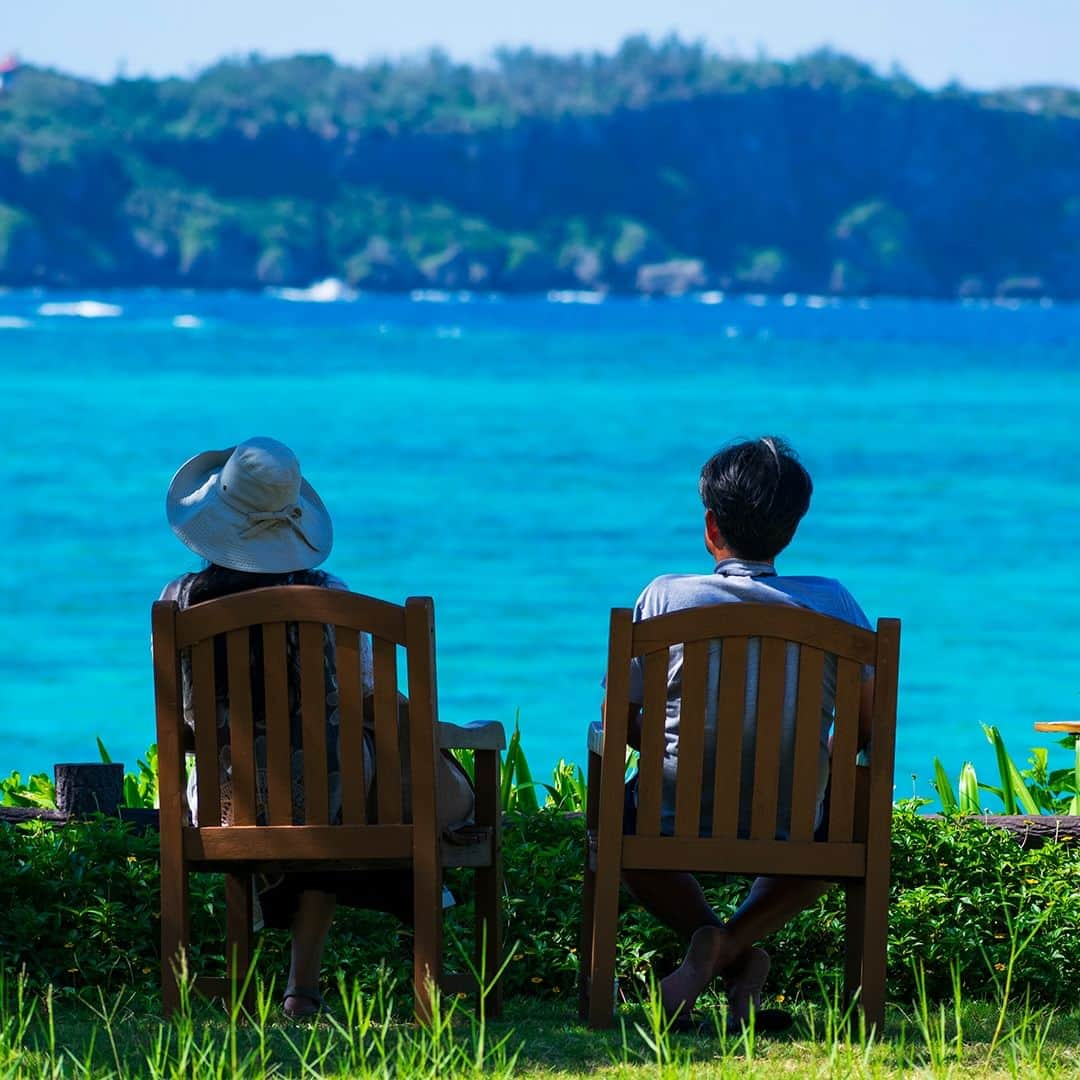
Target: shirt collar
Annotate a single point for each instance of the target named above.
(744, 568)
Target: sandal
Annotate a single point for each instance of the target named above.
(314, 1007)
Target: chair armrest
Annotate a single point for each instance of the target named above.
(485, 735)
(596, 738)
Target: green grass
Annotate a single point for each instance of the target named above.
(369, 1035)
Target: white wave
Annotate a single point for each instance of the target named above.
(81, 309)
(732, 331)
(330, 290)
(430, 296)
(757, 299)
(816, 302)
(714, 296)
(575, 296)
(13, 322)
(448, 331)
(187, 322)
(790, 299)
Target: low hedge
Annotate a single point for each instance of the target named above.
(82, 911)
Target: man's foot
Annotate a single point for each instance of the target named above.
(707, 957)
(743, 985)
(301, 1002)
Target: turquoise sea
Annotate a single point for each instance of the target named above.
(531, 463)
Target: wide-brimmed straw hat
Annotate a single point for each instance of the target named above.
(248, 508)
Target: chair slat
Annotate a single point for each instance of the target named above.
(807, 743)
(387, 753)
(730, 716)
(241, 727)
(351, 719)
(278, 735)
(313, 723)
(651, 762)
(767, 737)
(204, 707)
(692, 712)
(845, 746)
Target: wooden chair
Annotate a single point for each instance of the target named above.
(855, 850)
(245, 846)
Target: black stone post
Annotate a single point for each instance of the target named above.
(89, 788)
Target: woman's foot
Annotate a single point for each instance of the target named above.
(301, 1002)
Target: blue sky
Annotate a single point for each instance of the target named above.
(982, 43)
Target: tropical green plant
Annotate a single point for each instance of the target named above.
(1034, 790)
(36, 790)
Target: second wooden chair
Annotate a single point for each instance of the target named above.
(784, 653)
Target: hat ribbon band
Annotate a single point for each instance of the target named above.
(261, 521)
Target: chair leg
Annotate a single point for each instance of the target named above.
(588, 905)
(854, 922)
(427, 942)
(175, 931)
(585, 942)
(488, 932)
(489, 883)
(602, 956)
(875, 934)
(238, 938)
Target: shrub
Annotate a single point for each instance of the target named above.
(82, 904)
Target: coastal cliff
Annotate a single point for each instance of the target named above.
(659, 169)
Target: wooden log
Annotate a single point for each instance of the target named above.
(16, 815)
(142, 820)
(1030, 830)
(88, 788)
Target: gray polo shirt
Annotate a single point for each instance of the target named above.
(736, 581)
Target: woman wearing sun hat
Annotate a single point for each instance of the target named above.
(257, 522)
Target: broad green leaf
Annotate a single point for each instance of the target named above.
(943, 787)
(1014, 792)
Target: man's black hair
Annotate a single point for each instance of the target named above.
(758, 493)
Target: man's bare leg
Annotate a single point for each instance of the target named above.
(675, 899)
(725, 949)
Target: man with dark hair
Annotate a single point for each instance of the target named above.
(755, 494)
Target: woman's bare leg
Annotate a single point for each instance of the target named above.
(310, 929)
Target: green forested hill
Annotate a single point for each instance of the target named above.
(659, 168)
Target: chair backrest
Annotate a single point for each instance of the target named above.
(752, 683)
(218, 638)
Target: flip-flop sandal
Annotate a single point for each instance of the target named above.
(319, 1006)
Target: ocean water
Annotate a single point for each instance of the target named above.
(531, 463)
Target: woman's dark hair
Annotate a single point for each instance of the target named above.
(758, 493)
(213, 582)
(216, 581)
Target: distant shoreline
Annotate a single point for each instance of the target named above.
(93, 299)
(659, 169)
